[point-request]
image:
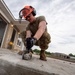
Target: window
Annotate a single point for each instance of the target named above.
(19, 42)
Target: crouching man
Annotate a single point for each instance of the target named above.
(36, 31)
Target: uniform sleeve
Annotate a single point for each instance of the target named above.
(42, 18)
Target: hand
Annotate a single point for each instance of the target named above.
(30, 42)
(33, 40)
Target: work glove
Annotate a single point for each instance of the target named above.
(30, 42)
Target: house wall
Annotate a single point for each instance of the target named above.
(7, 36)
(6, 15)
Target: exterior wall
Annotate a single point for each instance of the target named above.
(8, 18)
(7, 36)
(8, 30)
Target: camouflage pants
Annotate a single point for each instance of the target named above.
(42, 42)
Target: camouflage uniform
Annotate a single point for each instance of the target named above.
(33, 27)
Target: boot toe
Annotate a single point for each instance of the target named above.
(44, 59)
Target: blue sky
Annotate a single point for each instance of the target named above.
(60, 15)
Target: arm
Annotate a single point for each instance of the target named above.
(41, 29)
(28, 33)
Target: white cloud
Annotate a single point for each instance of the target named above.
(60, 15)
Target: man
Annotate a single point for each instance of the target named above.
(36, 30)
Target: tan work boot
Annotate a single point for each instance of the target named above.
(42, 55)
(20, 52)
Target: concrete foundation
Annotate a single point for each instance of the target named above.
(12, 64)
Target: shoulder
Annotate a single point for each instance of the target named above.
(41, 18)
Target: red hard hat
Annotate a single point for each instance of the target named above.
(26, 11)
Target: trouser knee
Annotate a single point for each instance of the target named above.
(44, 47)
